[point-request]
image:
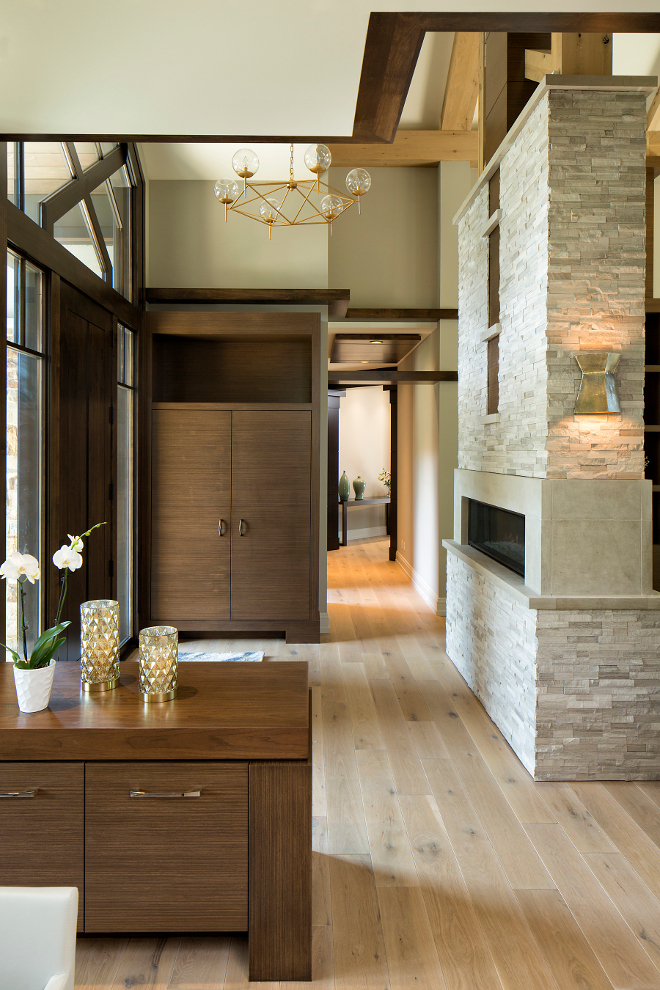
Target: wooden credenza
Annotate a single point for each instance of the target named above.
(193, 815)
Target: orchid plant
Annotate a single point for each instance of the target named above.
(22, 567)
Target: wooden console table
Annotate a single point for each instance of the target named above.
(350, 504)
(193, 815)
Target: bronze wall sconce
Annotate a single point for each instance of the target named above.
(597, 393)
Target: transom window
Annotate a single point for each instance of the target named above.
(81, 193)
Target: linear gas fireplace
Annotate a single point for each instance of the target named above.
(498, 533)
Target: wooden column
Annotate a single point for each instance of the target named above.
(334, 399)
(394, 430)
(504, 87)
(582, 54)
(651, 174)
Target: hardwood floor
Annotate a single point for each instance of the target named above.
(439, 864)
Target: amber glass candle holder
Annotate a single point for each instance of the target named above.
(159, 663)
(99, 645)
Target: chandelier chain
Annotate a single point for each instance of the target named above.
(291, 164)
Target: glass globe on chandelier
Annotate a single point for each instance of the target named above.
(290, 202)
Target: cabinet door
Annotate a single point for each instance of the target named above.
(42, 841)
(190, 494)
(271, 494)
(161, 864)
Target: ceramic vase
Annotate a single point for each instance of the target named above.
(33, 687)
(359, 485)
(344, 488)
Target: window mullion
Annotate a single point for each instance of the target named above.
(97, 236)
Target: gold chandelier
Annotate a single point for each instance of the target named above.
(291, 202)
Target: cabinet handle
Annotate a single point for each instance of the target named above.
(165, 794)
(19, 794)
(221, 527)
(241, 527)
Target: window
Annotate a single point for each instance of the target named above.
(24, 458)
(45, 169)
(125, 480)
(51, 182)
(493, 386)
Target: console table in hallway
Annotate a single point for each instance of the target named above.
(351, 503)
(190, 816)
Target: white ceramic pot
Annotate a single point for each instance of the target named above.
(33, 687)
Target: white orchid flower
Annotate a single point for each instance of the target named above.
(76, 543)
(67, 557)
(21, 565)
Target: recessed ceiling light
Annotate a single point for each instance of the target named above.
(375, 341)
(364, 362)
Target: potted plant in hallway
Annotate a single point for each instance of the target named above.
(33, 674)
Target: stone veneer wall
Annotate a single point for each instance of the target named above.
(491, 641)
(517, 443)
(572, 191)
(596, 259)
(598, 683)
(574, 693)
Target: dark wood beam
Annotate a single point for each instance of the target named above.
(395, 315)
(336, 299)
(380, 376)
(60, 202)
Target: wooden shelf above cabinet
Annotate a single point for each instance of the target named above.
(336, 299)
(396, 315)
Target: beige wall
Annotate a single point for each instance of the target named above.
(190, 245)
(364, 449)
(428, 421)
(388, 255)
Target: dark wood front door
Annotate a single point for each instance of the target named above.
(271, 503)
(82, 462)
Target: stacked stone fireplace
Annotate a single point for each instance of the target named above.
(565, 658)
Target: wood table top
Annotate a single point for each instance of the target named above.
(223, 711)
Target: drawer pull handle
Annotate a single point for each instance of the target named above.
(165, 794)
(20, 794)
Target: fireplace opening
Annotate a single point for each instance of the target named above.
(498, 533)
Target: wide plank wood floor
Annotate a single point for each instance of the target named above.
(439, 864)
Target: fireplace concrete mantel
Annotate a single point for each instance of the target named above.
(582, 538)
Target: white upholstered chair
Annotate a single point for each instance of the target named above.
(38, 937)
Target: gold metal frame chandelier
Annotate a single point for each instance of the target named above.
(291, 202)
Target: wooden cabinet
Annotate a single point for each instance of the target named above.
(42, 807)
(229, 480)
(187, 856)
(93, 797)
(231, 514)
(191, 513)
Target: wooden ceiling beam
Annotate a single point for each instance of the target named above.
(462, 89)
(392, 315)
(409, 148)
(387, 375)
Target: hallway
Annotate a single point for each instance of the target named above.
(439, 862)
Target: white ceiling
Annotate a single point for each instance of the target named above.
(201, 67)
(211, 161)
(632, 55)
